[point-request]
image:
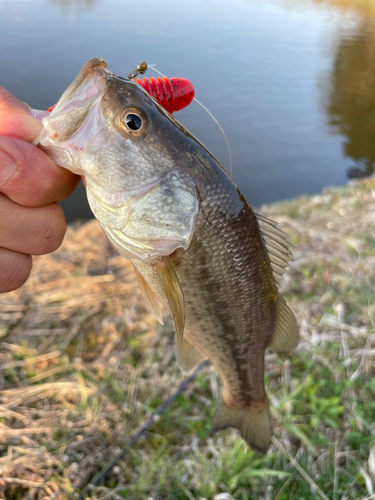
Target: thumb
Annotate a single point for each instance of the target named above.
(16, 118)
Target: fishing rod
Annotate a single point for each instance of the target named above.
(154, 418)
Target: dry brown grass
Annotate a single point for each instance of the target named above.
(84, 365)
(83, 293)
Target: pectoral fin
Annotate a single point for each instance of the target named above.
(188, 356)
(149, 297)
(174, 294)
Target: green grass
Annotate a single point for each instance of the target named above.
(64, 416)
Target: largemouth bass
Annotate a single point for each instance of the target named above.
(197, 246)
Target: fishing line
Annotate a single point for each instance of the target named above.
(97, 479)
(152, 66)
(101, 475)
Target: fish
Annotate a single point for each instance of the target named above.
(197, 246)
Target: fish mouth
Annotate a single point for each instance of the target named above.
(76, 117)
(74, 105)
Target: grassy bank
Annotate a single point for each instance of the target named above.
(84, 365)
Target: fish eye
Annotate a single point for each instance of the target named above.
(133, 121)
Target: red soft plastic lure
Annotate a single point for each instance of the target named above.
(173, 94)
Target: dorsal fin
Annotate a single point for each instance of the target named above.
(278, 245)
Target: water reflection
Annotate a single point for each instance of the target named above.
(349, 93)
(67, 5)
(365, 8)
(350, 98)
(274, 53)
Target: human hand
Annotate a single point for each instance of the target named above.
(31, 221)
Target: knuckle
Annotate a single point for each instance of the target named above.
(8, 101)
(7, 98)
(37, 181)
(51, 230)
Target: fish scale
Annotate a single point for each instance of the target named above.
(167, 205)
(220, 324)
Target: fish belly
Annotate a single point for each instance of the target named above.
(230, 311)
(230, 303)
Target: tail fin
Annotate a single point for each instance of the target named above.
(253, 423)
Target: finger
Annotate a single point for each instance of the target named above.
(29, 177)
(15, 268)
(39, 113)
(16, 118)
(33, 231)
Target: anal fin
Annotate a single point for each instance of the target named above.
(174, 294)
(188, 356)
(286, 336)
(252, 422)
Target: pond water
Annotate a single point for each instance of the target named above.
(292, 83)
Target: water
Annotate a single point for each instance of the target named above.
(292, 83)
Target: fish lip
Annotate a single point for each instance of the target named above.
(86, 71)
(85, 91)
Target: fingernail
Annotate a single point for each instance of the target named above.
(8, 167)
